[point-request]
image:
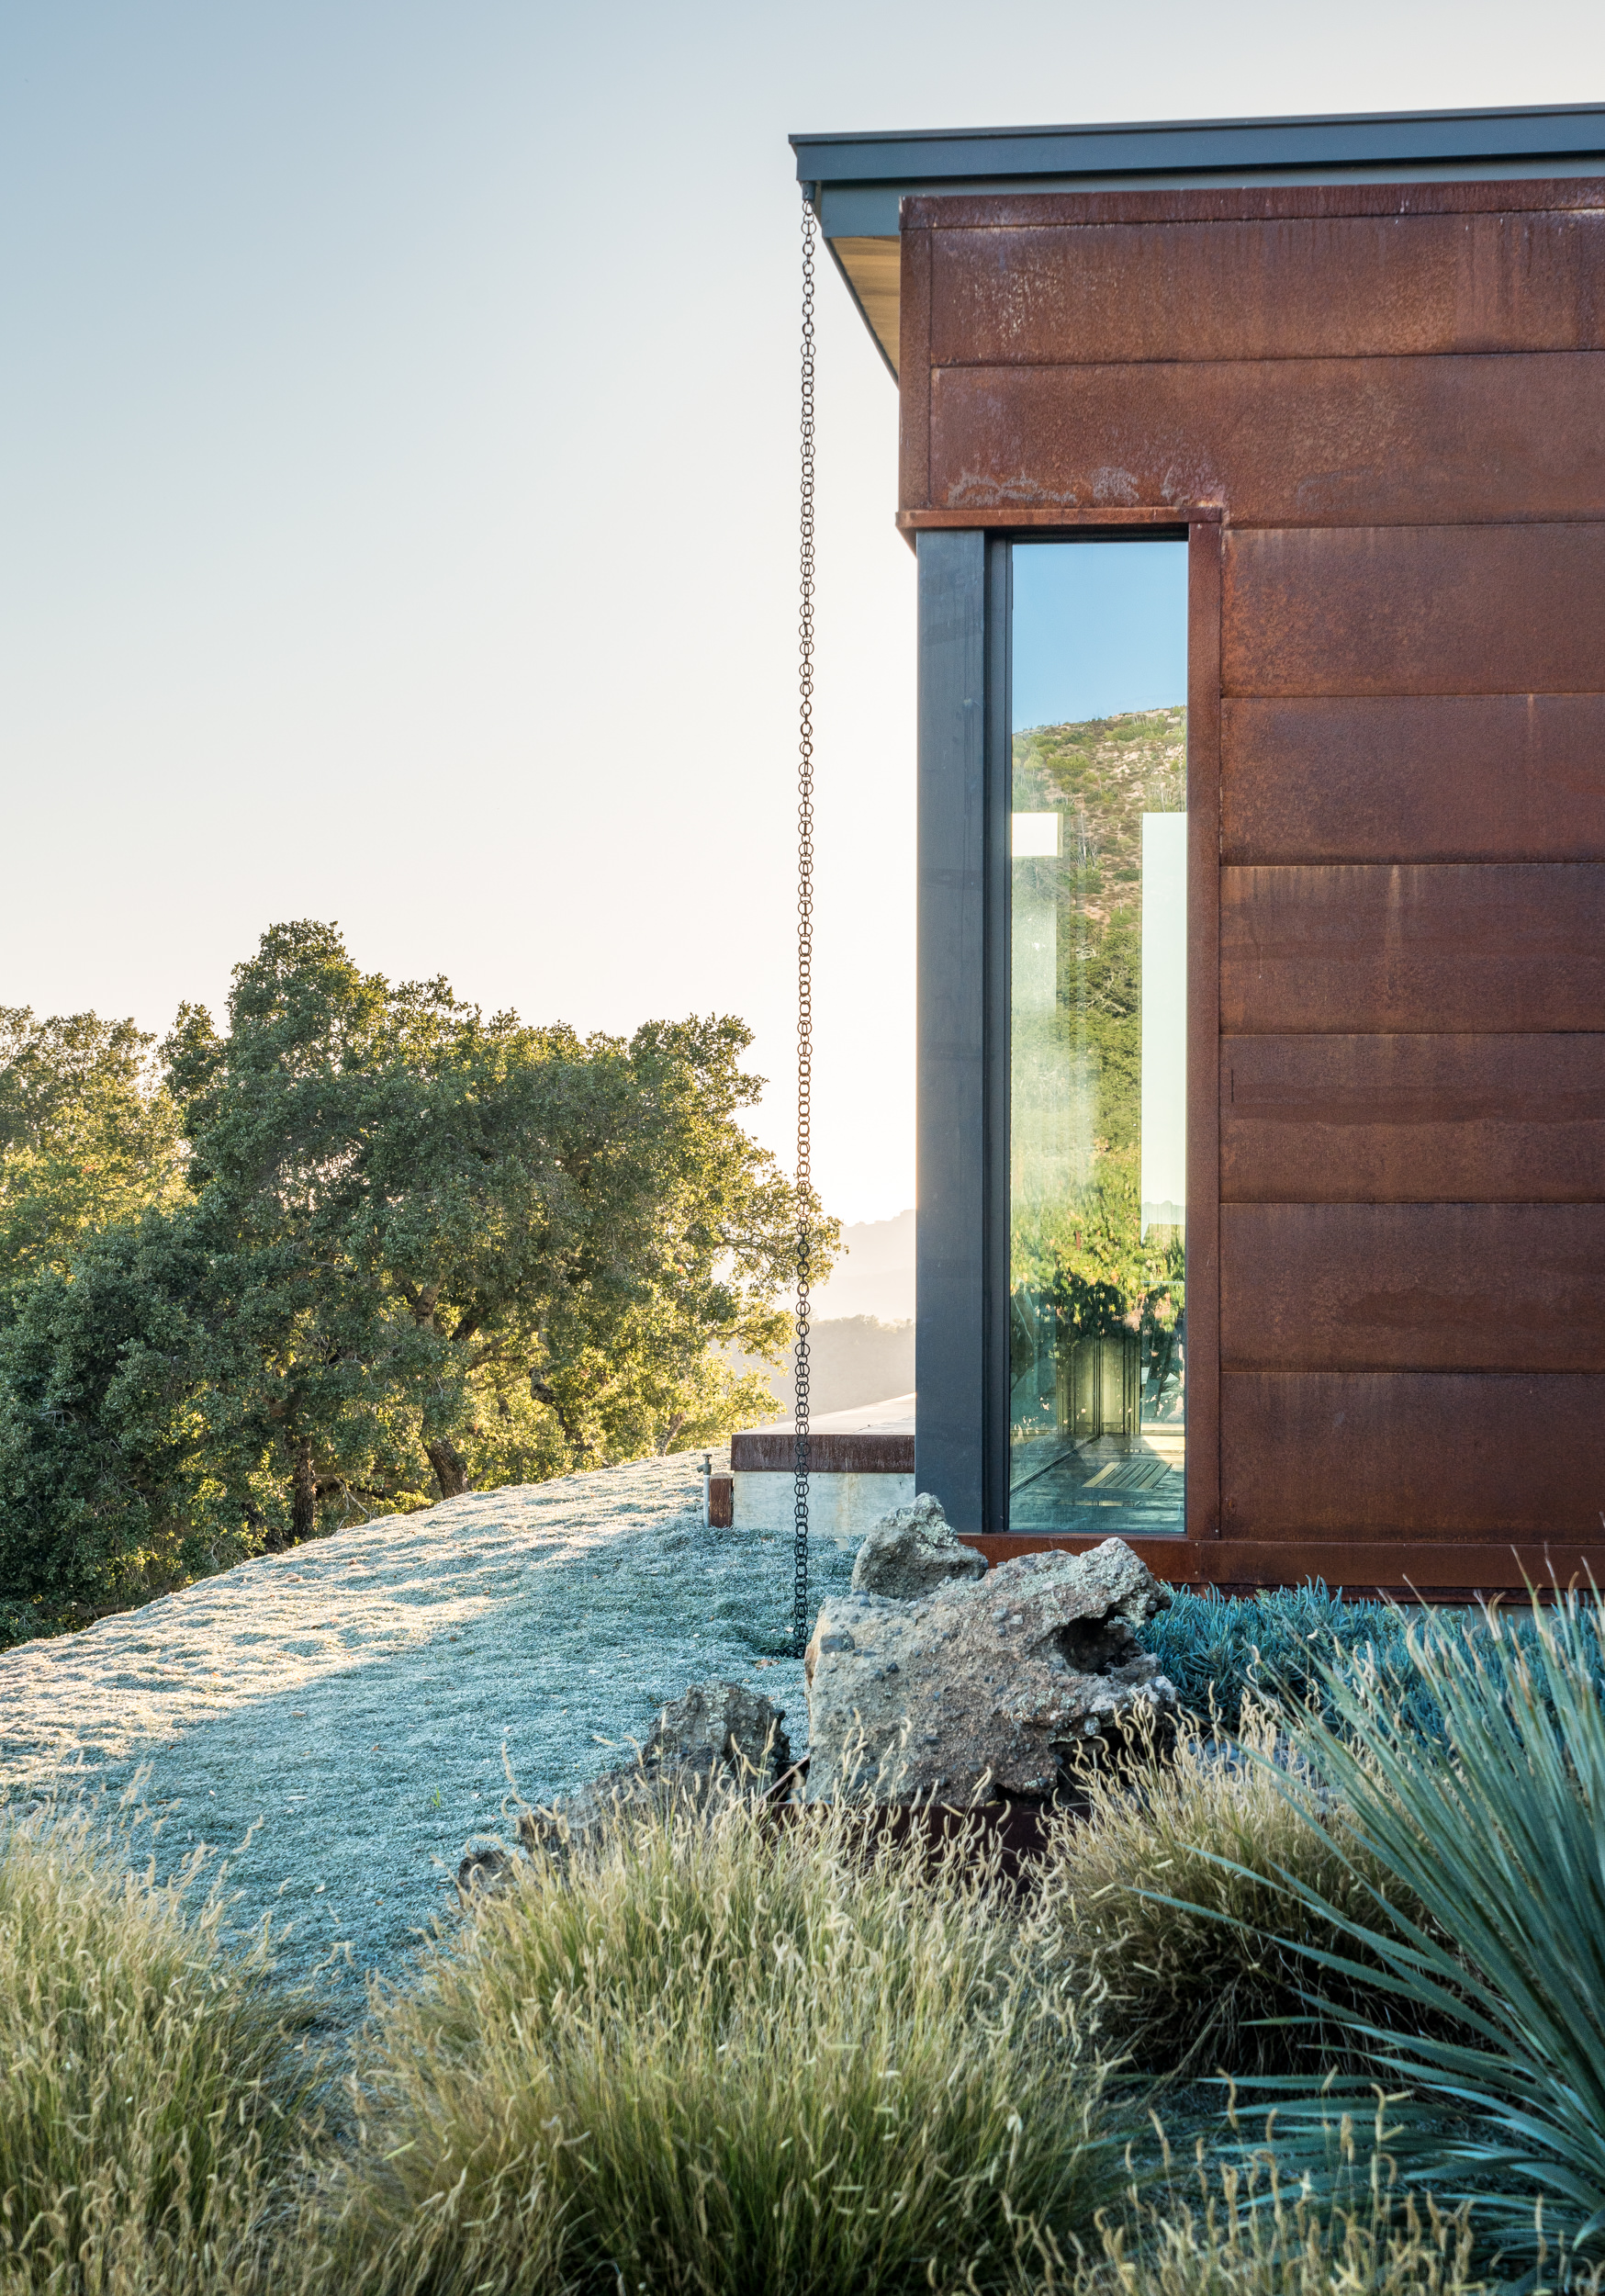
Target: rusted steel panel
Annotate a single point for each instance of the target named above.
(1415, 609)
(1349, 287)
(1421, 1454)
(1412, 1119)
(914, 372)
(1284, 443)
(1465, 776)
(1203, 1484)
(1347, 948)
(1430, 1287)
(1255, 203)
(1446, 1571)
(773, 1451)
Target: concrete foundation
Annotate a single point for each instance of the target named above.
(861, 1467)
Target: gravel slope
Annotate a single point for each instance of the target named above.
(333, 1719)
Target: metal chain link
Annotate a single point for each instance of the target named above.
(804, 947)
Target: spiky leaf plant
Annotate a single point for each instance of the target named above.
(1496, 1830)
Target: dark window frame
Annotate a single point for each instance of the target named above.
(962, 1025)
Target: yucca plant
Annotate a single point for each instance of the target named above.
(1497, 1831)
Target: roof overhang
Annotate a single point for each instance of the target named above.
(856, 183)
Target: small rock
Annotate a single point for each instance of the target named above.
(720, 1722)
(907, 1554)
(483, 1873)
(720, 1737)
(984, 1687)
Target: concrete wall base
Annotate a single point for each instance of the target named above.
(840, 1507)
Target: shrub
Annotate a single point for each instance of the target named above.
(709, 2056)
(151, 2086)
(1172, 1902)
(1218, 1647)
(1496, 1829)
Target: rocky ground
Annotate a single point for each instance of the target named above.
(339, 1722)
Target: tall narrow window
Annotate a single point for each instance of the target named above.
(1098, 996)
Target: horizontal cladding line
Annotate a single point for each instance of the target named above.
(1427, 1036)
(1391, 1371)
(1484, 694)
(1269, 358)
(984, 517)
(1306, 202)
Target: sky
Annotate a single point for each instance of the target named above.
(1097, 627)
(398, 465)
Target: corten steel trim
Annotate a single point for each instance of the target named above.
(1271, 203)
(1169, 518)
(1259, 290)
(1203, 1344)
(1474, 1456)
(1422, 442)
(913, 366)
(950, 1027)
(1435, 1569)
(767, 1452)
(1415, 609)
(1439, 948)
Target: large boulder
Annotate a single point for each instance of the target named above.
(980, 1689)
(911, 1553)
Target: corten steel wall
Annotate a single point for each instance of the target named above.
(1381, 411)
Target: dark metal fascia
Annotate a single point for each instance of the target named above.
(1316, 140)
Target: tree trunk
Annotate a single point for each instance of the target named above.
(303, 1495)
(450, 1472)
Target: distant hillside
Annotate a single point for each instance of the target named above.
(1105, 772)
(873, 1276)
(853, 1359)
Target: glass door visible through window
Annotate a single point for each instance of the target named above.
(1098, 1055)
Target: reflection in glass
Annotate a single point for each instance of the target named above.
(1098, 1039)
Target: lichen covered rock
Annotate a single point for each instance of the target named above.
(911, 1553)
(983, 1687)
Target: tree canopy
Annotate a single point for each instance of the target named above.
(395, 1250)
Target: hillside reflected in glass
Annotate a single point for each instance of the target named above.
(1097, 1175)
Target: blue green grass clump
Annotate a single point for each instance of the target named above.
(1277, 1647)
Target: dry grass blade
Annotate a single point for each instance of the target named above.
(152, 2084)
(1172, 1898)
(709, 2058)
(1242, 2231)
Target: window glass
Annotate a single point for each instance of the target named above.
(1098, 996)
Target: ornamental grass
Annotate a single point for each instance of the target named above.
(713, 2056)
(1175, 1904)
(152, 2085)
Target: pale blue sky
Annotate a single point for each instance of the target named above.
(1098, 627)
(397, 456)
